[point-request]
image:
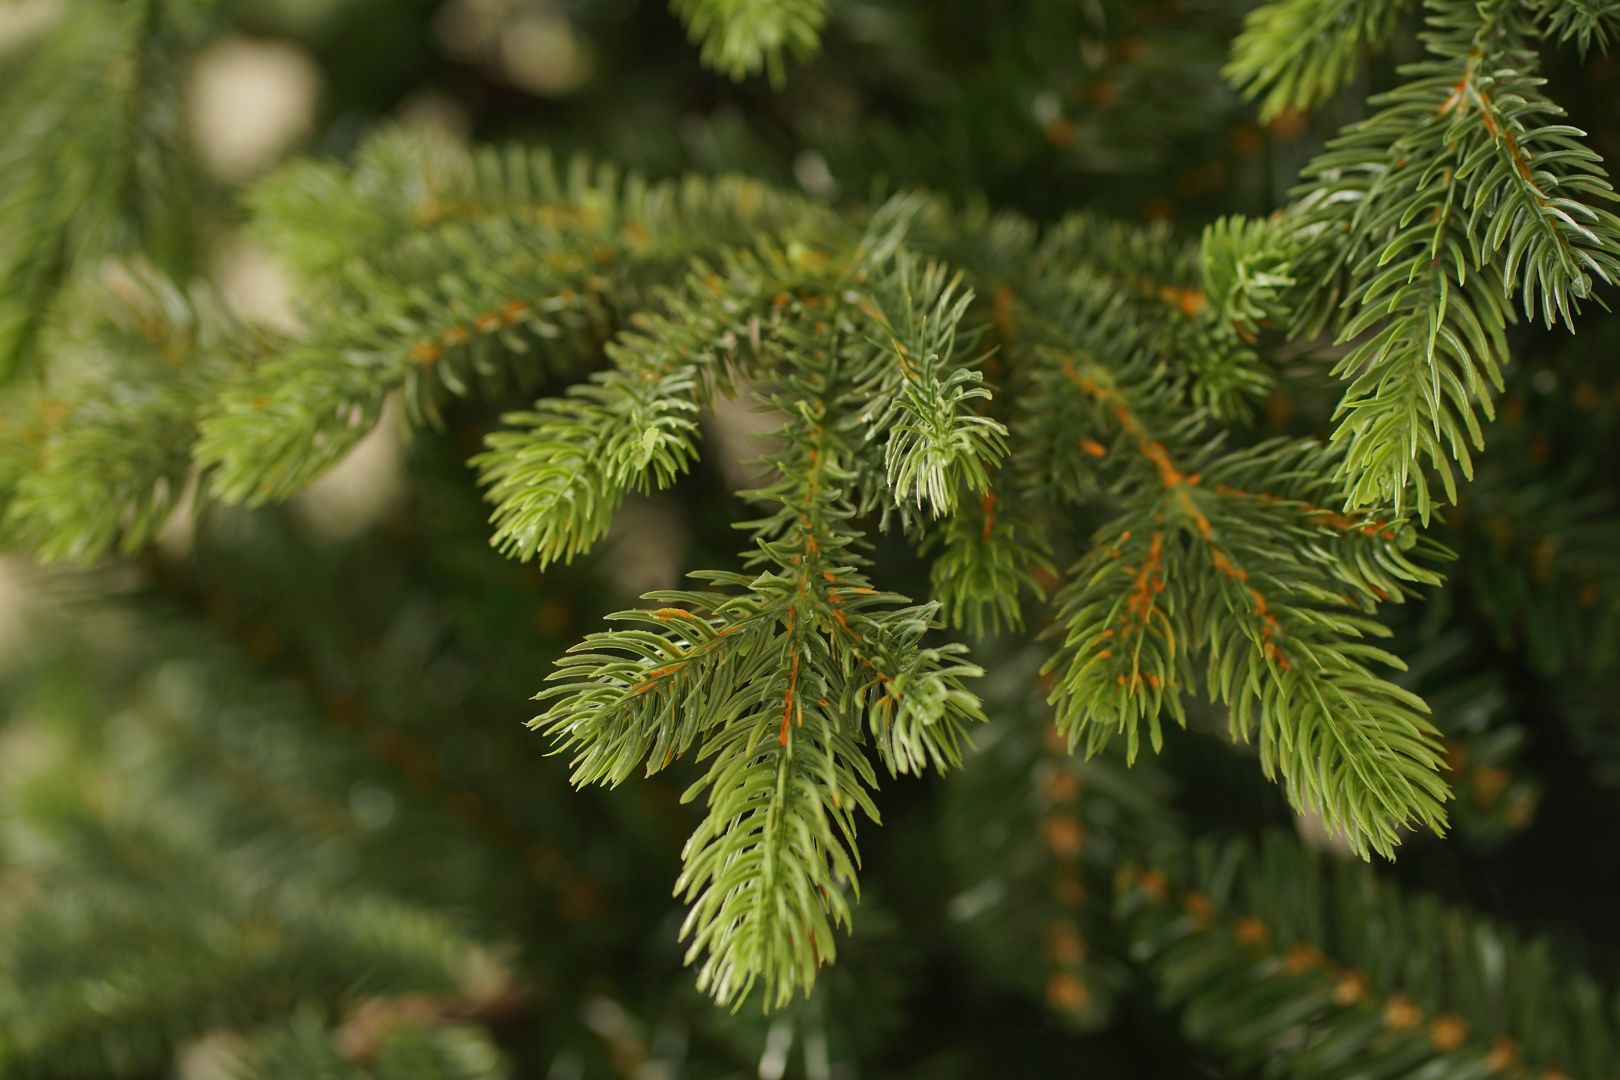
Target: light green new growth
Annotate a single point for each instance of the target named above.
(743, 37)
(1294, 54)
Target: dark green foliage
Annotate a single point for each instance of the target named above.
(149, 921)
(402, 1051)
(1075, 417)
(109, 73)
(1310, 970)
(92, 462)
(1033, 879)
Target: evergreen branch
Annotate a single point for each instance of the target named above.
(454, 303)
(1464, 151)
(1293, 659)
(1542, 561)
(918, 396)
(1583, 21)
(95, 160)
(317, 216)
(100, 457)
(1295, 54)
(1245, 268)
(1030, 880)
(1299, 969)
(557, 480)
(1431, 363)
(1428, 325)
(1203, 562)
(628, 696)
(632, 695)
(766, 870)
(988, 558)
(741, 37)
(132, 880)
(404, 1049)
(1124, 656)
(803, 649)
(1180, 307)
(1540, 190)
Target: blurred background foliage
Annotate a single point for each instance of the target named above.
(269, 807)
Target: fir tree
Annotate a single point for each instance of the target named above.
(1098, 455)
